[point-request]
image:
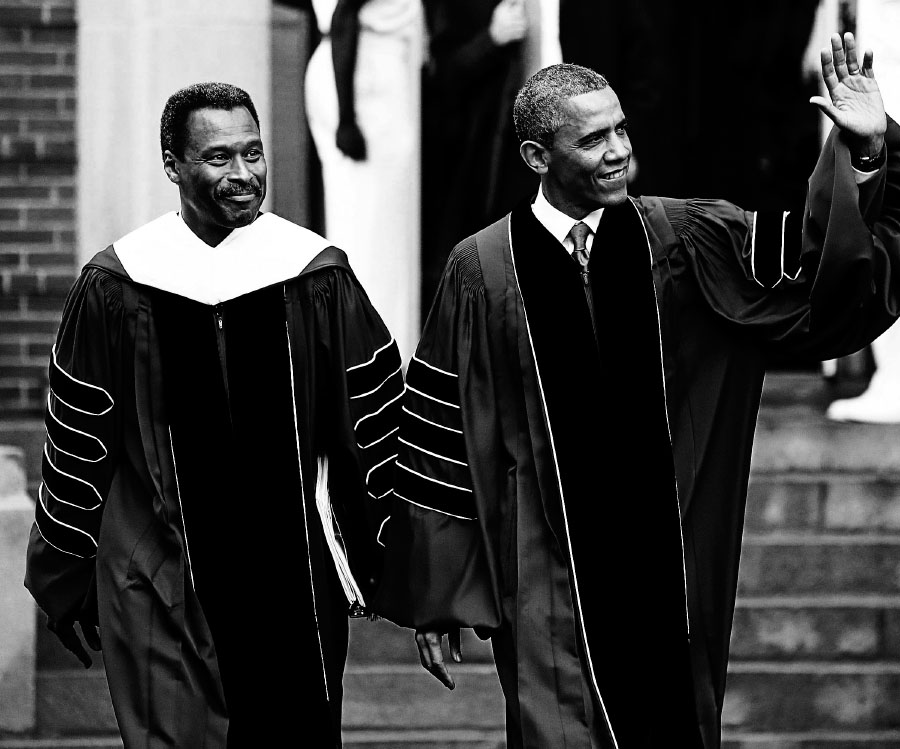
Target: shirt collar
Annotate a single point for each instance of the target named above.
(557, 222)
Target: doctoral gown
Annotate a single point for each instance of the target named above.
(221, 427)
(547, 454)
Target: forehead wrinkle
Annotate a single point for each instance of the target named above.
(592, 106)
(209, 128)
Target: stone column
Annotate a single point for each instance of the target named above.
(292, 184)
(17, 610)
(131, 56)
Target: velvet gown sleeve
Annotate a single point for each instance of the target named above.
(80, 452)
(436, 572)
(357, 385)
(820, 281)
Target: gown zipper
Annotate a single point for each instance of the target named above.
(220, 345)
(588, 294)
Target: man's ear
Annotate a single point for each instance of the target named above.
(536, 156)
(171, 165)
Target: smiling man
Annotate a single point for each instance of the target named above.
(586, 355)
(216, 195)
(221, 423)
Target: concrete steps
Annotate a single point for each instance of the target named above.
(813, 740)
(111, 742)
(815, 653)
(434, 739)
(385, 686)
(389, 700)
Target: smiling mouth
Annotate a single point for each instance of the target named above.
(241, 198)
(618, 174)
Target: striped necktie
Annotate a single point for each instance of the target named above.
(579, 234)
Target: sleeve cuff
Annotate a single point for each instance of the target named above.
(861, 176)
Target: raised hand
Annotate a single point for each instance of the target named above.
(855, 103)
(508, 22)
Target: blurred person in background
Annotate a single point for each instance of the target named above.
(474, 69)
(586, 355)
(878, 26)
(220, 424)
(363, 104)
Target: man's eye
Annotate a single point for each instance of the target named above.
(217, 159)
(253, 155)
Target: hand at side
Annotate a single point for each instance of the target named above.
(350, 140)
(65, 631)
(431, 653)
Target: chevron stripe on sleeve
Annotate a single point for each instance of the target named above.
(75, 463)
(432, 467)
(775, 246)
(375, 389)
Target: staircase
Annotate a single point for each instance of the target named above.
(390, 702)
(815, 655)
(816, 645)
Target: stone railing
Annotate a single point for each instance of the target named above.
(17, 612)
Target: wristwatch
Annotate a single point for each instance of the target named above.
(869, 163)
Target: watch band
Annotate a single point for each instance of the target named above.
(869, 163)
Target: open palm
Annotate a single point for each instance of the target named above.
(855, 100)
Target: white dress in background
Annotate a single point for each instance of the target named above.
(372, 207)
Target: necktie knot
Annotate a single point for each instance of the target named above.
(579, 234)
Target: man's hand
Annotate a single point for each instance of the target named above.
(508, 22)
(65, 631)
(432, 656)
(856, 106)
(350, 141)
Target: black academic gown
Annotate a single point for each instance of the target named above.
(538, 465)
(179, 499)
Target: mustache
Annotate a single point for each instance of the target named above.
(229, 192)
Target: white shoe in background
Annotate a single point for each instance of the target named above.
(880, 403)
(869, 408)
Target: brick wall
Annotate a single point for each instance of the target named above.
(37, 191)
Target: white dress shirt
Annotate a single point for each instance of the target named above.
(559, 224)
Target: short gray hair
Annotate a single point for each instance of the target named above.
(536, 112)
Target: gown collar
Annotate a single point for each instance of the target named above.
(167, 255)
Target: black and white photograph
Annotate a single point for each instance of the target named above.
(449, 374)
